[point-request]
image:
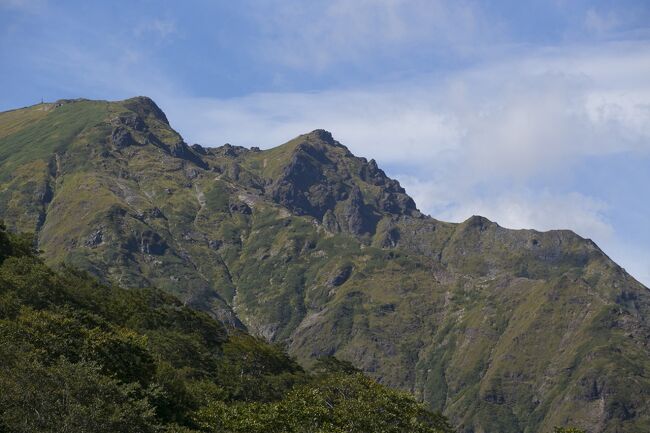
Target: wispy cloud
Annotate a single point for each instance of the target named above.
(601, 22)
(317, 35)
(159, 28)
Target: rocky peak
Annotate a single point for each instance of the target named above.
(145, 124)
(199, 149)
(229, 151)
(321, 135)
(322, 178)
(478, 222)
(145, 107)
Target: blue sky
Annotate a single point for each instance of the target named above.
(535, 114)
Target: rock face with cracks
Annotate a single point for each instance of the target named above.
(317, 249)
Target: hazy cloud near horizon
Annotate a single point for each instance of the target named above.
(533, 115)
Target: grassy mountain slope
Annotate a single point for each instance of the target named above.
(309, 246)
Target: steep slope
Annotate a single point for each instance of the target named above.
(308, 245)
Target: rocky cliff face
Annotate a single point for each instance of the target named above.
(315, 248)
(324, 180)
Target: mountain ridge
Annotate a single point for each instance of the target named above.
(312, 247)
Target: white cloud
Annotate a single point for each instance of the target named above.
(389, 126)
(160, 28)
(315, 35)
(600, 22)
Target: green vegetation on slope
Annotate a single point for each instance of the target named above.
(42, 131)
(80, 356)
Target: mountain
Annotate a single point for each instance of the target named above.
(318, 250)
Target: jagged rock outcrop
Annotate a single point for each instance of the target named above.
(322, 179)
(121, 138)
(145, 107)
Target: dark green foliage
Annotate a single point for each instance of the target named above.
(331, 364)
(253, 370)
(69, 397)
(16, 245)
(337, 403)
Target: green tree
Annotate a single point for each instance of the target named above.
(70, 397)
(335, 403)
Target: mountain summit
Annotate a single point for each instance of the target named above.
(310, 246)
